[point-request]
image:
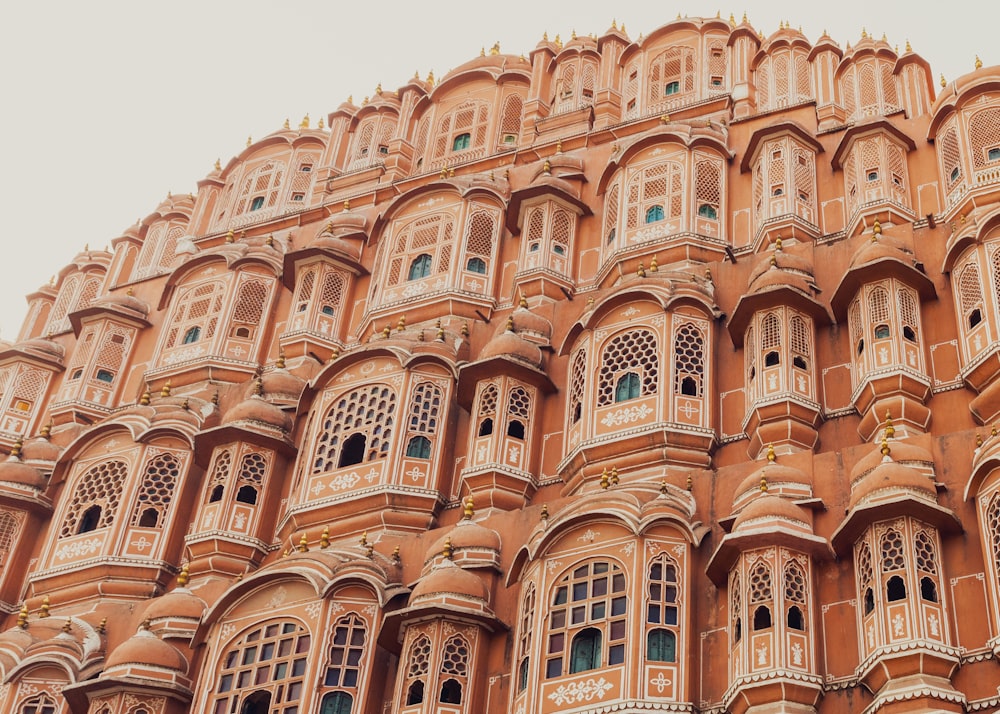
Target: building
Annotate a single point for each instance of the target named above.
(630, 375)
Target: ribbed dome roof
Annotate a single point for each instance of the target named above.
(145, 648)
(529, 322)
(885, 247)
(510, 344)
(281, 384)
(258, 410)
(775, 474)
(466, 534)
(902, 453)
(13, 470)
(446, 578)
(40, 448)
(43, 347)
(771, 509)
(179, 602)
(781, 268)
(890, 479)
(130, 303)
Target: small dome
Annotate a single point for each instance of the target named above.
(466, 535)
(48, 349)
(886, 247)
(902, 453)
(891, 479)
(777, 475)
(129, 303)
(178, 603)
(510, 344)
(769, 508)
(257, 410)
(781, 268)
(531, 324)
(282, 385)
(172, 409)
(146, 649)
(13, 470)
(446, 578)
(40, 449)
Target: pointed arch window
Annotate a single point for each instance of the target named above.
(662, 613)
(357, 428)
(417, 667)
(420, 267)
(634, 351)
(159, 482)
(524, 637)
(41, 704)
(95, 499)
(346, 653)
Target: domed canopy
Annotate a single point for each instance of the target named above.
(146, 649)
(779, 478)
(890, 480)
(902, 453)
(40, 448)
(530, 324)
(446, 579)
(179, 603)
(281, 385)
(467, 535)
(768, 510)
(510, 344)
(15, 471)
(257, 410)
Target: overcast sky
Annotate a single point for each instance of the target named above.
(107, 106)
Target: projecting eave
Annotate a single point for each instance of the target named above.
(979, 223)
(873, 272)
(469, 375)
(959, 93)
(862, 516)
(733, 544)
(776, 129)
(775, 297)
(879, 125)
(985, 462)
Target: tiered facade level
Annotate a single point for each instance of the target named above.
(653, 375)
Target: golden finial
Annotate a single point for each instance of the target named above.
(613, 477)
(523, 302)
(572, 34)
(280, 362)
(547, 167)
(641, 270)
(365, 100)
(363, 541)
(744, 17)
(943, 82)
(979, 440)
(663, 487)
(334, 353)
(614, 23)
(230, 237)
(324, 538)
(319, 124)
(876, 227)
(102, 626)
(386, 331)
(605, 482)
(249, 141)
(350, 99)
(468, 509)
(624, 32)
(215, 398)
(864, 34)
(285, 125)
(690, 483)
(446, 551)
(451, 172)
(777, 244)
(22, 617)
(401, 323)
(653, 265)
(444, 172)
(590, 302)
(770, 454)
(495, 49)
(732, 20)
(544, 515)
(465, 330)
(184, 576)
(665, 119)
(67, 626)
(46, 431)
(979, 63)
(186, 405)
(43, 611)
(258, 387)
(559, 146)
(890, 430)
(395, 555)
(763, 483)
(993, 432)
(482, 50)
(146, 398)
(558, 42)
(885, 447)
(440, 332)
(510, 323)
(430, 78)
(15, 450)
(165, 389)
(303, 543)
(218, 164)
(884, 38)
(269, 241)
(908, 48)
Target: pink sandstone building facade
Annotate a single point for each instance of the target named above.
(631, 375)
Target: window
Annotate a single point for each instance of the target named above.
(795, 619)
(955, 173)
(192, 335)
(654, 214)
(881, 332)
(298, 196)
(871, 175)
(589, 608)
(762, 618)
(336, 703)
(159, 482)
(628, 387)
(777, 190)
(486, 427)
(357, 427)
(77, 373)
(104, 375)
(420, 267)
(417, 668)
(706, 211)
(993, 154)
(90, 519)
(611, 236)
(661, 646)
(462, 141)
(772, 359)
(419, 448)
(96, 498)
(586, 651)
(634, 351)
(353, 451)
(895, 589)
(476, 265)
(673, 88)
(42, 704)
(263, 672)
(524, 636)
(257, 203)
(451, 692)
(346, 654)
(383, 150)
(716, 81)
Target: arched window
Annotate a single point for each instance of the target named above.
(420, 267)
(192, 335)
(578, 381)
(454, 669)
(795, 592)
(866, 577)
(761, 618)
(480, 230)
(195, 315)
(524, 636)
(461, 142)
(925, 555)
(419, 448)
(41, 704)
(487, 409)
(893, 561)
(635, 351)
(476, 265)
(417, 666)
(220, 475)
(263, 670)
(451, 692)
(253, 469)
(628, 387)
(10, 526)
(486, 427)
(515, 429)
(336, 703)
(689, 360)
(346, 653)
(795, 620)
(518, 412)
(706, 211)
(159, 482)
(761, 595)
(588, 601)
(585, 653)
(654, 214)
(661, 646)
(358, 427)
(95, 499)
(736, 606)
(895, 589)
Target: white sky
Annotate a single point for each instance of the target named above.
(105, 106)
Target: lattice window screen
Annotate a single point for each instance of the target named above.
(100, 485)
(984, 134)
(634, 351)
(367, 410)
